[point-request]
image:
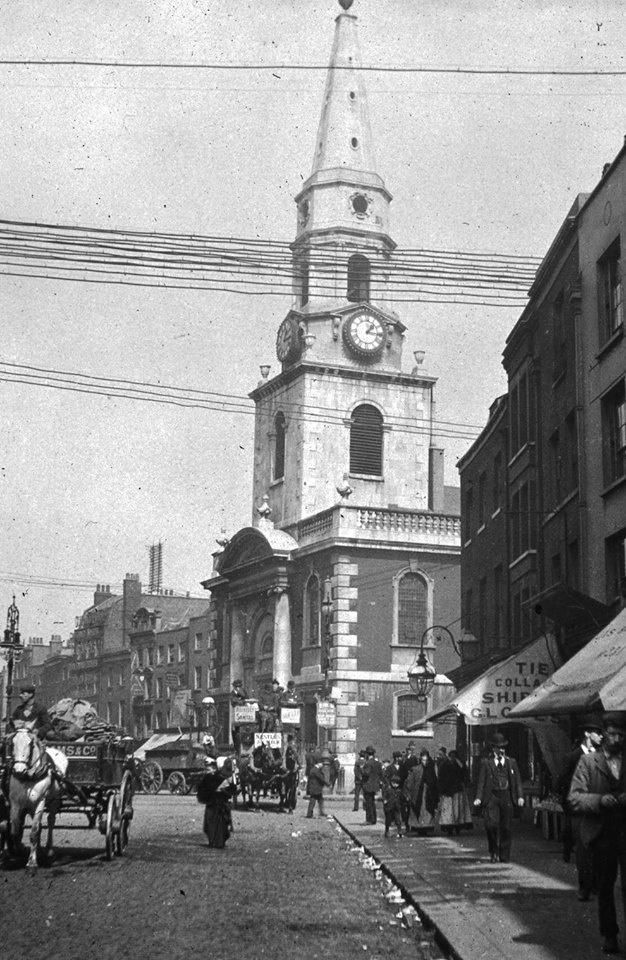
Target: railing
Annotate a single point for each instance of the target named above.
(379, 523)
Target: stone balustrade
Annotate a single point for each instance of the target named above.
(380, 525)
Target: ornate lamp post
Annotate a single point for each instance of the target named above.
(422, 674)
(11, 649)
(327, 616)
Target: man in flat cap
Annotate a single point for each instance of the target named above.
(598, 793)
(498, 792)
(30, 714)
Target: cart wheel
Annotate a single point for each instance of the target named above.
(125, 813)
(151, 777)
(177, 784)
(111, 817)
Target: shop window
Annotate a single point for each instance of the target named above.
(366, 441)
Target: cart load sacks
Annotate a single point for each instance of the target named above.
(78, 720)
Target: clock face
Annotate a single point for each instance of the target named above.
(364, 333)
(287, 341)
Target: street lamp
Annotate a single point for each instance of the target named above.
(422, 674)
(11, 648)
(327, 612)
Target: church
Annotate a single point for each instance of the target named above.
(350, 564)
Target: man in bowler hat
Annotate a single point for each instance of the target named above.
(598, 793)
(499, 791)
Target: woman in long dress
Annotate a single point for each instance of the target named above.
(422, 793)
(215, 790)
(454, 809)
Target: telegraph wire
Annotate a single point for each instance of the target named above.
(215, 396)
(312, 67)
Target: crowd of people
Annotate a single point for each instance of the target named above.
(418, 792)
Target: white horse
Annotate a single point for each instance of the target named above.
(33, 784)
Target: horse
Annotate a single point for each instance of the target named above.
(33, 785)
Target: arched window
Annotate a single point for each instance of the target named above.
(409, 709)
(266, 654)
(279, 446)
(358, 279)
(312, 611)
(412, 608)
(366, 441)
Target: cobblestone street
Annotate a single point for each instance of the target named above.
(284, 886)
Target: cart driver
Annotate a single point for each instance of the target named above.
(30, 715)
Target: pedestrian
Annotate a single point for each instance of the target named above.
(372, 779)
(598, 794)
(392, 804)
(333, 772)
(315, 788)
(358, 778)
(440, 757)
(498, 792)
(454, 808)
(393, 769)
(238, 698)
(590, 741)
(423, 794)
(406, 764)
(215, 790)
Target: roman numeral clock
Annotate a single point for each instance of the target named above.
(364, 334)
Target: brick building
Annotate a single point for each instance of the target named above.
(353, 549)
(556, 446)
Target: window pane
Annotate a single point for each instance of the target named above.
(411, 608)
(410, 710)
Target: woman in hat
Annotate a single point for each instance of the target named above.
(215, 790)
(422, 792)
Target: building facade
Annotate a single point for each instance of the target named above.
(557, 443)
(353, 549)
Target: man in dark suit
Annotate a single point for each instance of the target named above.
(590, 742)
(499, 791)
(406, 765)
(30, 714)
(358, 777)
(371, 784)
(598, 792)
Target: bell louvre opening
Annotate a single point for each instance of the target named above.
(366, 441)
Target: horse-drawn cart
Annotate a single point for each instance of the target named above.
(98, 785)
(92, 779)
(179, 764)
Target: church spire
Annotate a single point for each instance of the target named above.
(344, 137)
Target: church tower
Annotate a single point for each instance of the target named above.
(351, 562)
(341, 413)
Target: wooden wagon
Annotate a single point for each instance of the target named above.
(178, 765)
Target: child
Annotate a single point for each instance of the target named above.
(392, 804)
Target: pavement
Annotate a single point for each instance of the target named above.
(523, 910)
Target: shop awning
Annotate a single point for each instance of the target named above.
(491, 697)
(156, 740)
(570, 607)
(594, 679)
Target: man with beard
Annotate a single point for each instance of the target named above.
(598, 793)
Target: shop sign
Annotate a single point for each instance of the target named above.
(172, 679)
(245, 713)
(272, 740)
(290, 715)
(326, 713)
(179, 711)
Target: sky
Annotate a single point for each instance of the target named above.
(474, 162)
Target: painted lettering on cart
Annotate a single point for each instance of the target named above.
(89, 751)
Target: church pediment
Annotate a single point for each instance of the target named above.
(253, 544)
